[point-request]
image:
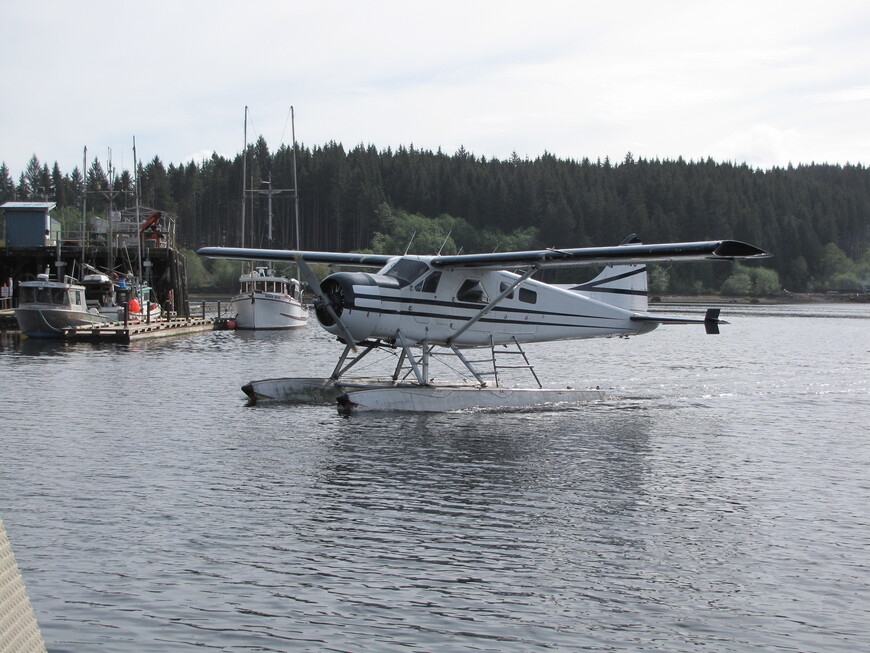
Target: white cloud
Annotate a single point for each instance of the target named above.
(763, 145)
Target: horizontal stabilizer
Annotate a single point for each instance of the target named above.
(711, 320)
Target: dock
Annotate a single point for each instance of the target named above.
(7, 319)
(121, 332)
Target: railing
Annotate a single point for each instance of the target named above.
(207, 309)
(120, 237)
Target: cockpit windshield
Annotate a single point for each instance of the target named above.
(407, 270)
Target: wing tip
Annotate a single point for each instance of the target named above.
(733, 249)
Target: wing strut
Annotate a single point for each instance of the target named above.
(495, 302)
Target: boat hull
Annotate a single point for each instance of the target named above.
(268, 311)
(50, 321)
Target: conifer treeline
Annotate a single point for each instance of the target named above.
(795, 212)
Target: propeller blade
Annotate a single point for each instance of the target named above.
(314, 284)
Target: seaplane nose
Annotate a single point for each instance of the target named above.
(342, 291)
(338, 293)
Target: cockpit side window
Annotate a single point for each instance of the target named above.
(406, 271)
(471, 290)
(430, 283)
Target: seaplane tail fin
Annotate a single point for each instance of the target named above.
(624, 286)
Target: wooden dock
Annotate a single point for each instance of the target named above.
(121, 332)
(7, 319)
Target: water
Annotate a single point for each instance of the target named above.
(717, 500)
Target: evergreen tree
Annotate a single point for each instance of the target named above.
(7, 185)
(97, 187)
(543, 202)
(33, 187)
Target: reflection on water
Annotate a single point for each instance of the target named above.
(716, 499)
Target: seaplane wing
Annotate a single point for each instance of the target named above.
(290, 256)
(713, 250)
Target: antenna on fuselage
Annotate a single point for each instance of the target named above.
(413, 235)
(446, 238)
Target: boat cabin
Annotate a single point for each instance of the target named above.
(264, 280)
(99, 290)
(43, 291)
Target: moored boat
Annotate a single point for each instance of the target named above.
(46, 307)
(267, 300)
(115, 299)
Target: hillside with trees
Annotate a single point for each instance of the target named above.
(815, 218)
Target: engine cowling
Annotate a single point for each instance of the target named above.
(356, 298)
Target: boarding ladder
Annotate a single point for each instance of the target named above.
(501, 358)
(510, 361)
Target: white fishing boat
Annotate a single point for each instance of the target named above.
(268, 300)
(46, 307)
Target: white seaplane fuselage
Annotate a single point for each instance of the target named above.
(410, 300)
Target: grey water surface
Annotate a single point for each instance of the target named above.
(717, 500)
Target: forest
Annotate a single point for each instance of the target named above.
(814, 218)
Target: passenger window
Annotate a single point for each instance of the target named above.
(504, 286)
(528, 296)
(471, 291)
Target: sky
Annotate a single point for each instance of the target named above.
(759, 82)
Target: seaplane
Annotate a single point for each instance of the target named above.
(473, 309)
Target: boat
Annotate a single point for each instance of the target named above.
(125, 298)
(46, 307)
(267, 300)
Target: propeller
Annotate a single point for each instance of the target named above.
(322, 300)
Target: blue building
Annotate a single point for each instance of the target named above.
(29, 224)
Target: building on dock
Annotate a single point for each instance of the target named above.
(138, 241)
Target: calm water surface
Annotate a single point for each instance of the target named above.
(717, 500)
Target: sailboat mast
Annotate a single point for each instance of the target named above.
(110, 232)
(140, 235)
(84, 204)
(270, 207)
(295, 186)
(244, 174)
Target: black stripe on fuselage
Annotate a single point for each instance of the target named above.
(595, 284)
(477, 308)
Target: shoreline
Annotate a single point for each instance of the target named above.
(785, 298)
